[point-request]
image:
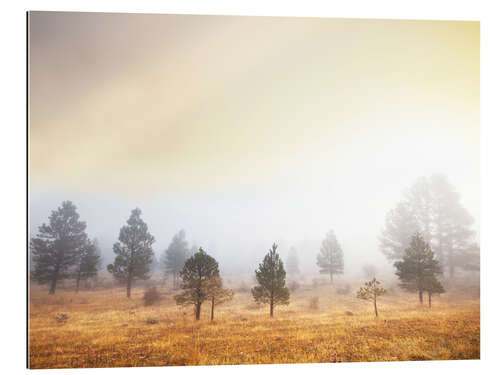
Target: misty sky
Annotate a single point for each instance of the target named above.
(248, 130)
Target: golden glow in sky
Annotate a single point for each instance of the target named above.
(248, 130)
(158, 103)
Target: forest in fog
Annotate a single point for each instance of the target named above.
(431, 207)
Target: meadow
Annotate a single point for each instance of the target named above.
(104, 328)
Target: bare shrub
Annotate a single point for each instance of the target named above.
(151, 296)
(152, 320)
(62, 317)
(314, 303)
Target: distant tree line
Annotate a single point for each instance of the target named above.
(427, 232)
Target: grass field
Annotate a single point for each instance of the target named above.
(106, 329)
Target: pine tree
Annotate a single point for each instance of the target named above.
(370, 292)
(420, 202)
(451, 224)
(432, 286)
(56, 248)
(330, 259)
(469, 258)
(175, 256)
(432, 207)
(400, 225)
(197, 273)
(292, 262)
(133, 252)
(217, 294)
(418, 264)
(271, 279)
(88, 262)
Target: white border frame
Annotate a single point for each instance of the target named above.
(13, 156)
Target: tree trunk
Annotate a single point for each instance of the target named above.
(331, 278)
(375, 305)
(430, 299)
(421, 296)
(212, 311)
(129, 286)
(53, 285)
(271, 308)
(173, 280)
(198, 311)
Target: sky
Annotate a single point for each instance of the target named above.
(246, 131)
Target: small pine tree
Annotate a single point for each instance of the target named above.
(418, 264)
(196, 274)
(133, 252)
(174, 257)
(271, 277)
(370, 292)
(217, 294)
(55, 249)
(88, 263)
(292, 262)
(330, 259)
(432, 286)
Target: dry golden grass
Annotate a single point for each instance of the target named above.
(106, 329)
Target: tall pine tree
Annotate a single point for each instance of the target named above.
(56, 248)
(174, 257)
(400, 226)
(88, 262)
(417, 266)
(134, 254)
(197, 275)
(452, 232)
(330, 258)
(271, 277)
(432, 207)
